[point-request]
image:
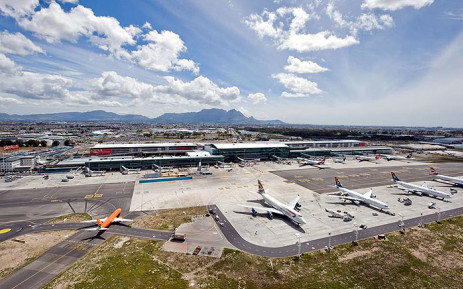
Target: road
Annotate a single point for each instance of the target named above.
(42, 203)
(322, 180)
(236, 240)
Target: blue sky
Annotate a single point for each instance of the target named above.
(359, 62)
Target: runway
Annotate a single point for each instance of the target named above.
(42, 203)
(322, 180)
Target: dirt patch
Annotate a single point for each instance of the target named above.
(15, 255)
(169, 219)
(356, 254)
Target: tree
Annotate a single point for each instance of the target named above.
(67, 142)
(55, 143)
(43, 143)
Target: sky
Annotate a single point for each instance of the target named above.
(351, 62)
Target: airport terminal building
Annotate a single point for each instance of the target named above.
(258, 150)
(143, 149)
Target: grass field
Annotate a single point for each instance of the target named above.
(430, 257)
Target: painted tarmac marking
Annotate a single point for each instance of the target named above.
(3, 231)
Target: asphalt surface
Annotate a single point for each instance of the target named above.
(42, 203)
(322, 180)
(236, 240)
(63, 255)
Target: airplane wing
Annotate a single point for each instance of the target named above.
(263, 210)
(122, 220)
(368, 194)
(425, 185)
(350, 198)
(293, 203)
(94, 229)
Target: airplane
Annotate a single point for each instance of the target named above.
(357, 198)
(288, 210)
(307, 162)
(103, 224)
(368, 158)
(398, 158)
(339, 160)
(420, 190)
(345, 216)
(454, 180)
(280, 160)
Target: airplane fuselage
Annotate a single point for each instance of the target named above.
(284, 209)
(416, 188)
(363, 199)
(453, 180)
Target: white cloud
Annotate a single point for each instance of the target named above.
(293, 37)
(147, 25)
(54, 24)
(366, 21)
(16, 43)
(298, 86)
(69, 1)
(315, 42)
(393, 5)
(201, 90)
(263, 24)
(7, 65)
(257, 97)
(18, 8)
(295, 65)
(6, 100)
(162, 52)
(32, 85)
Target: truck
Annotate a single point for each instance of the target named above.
(197, 250)
(179, 237)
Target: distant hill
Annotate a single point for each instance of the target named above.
(212, 116)
(96, 115)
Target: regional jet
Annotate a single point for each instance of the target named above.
(288, 210)
(453, 180)
(420, 190)
(104, 223)
(357, 198)
(307, 162)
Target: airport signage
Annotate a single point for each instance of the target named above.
(11, 147)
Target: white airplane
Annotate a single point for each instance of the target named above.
(357, 198)
(454, 180)
(307, 162)
(368, 158)
(420, 190)
(398, 158)
(288, 210)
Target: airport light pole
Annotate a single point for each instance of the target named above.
(329, 241)
(438, 214)
(421, 221)
(356, 231)
(298, 243)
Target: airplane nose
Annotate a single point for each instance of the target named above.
(303, 221)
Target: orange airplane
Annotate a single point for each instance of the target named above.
(104, 223)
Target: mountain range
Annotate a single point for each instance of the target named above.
(205, 116)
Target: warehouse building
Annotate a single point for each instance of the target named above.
(144, 149)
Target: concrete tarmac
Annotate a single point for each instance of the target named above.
(41, 203)
(322, 180)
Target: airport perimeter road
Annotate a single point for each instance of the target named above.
(291, 250)
(41, 203)
(322, 180)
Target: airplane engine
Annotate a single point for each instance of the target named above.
(270, 215)
(254, 212)
(298, 205)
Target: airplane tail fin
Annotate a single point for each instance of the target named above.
(377, 156)
(98, 222)
(261, 189)
(338, 182)
(394, 177)
(433, 172)
(322, 162)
